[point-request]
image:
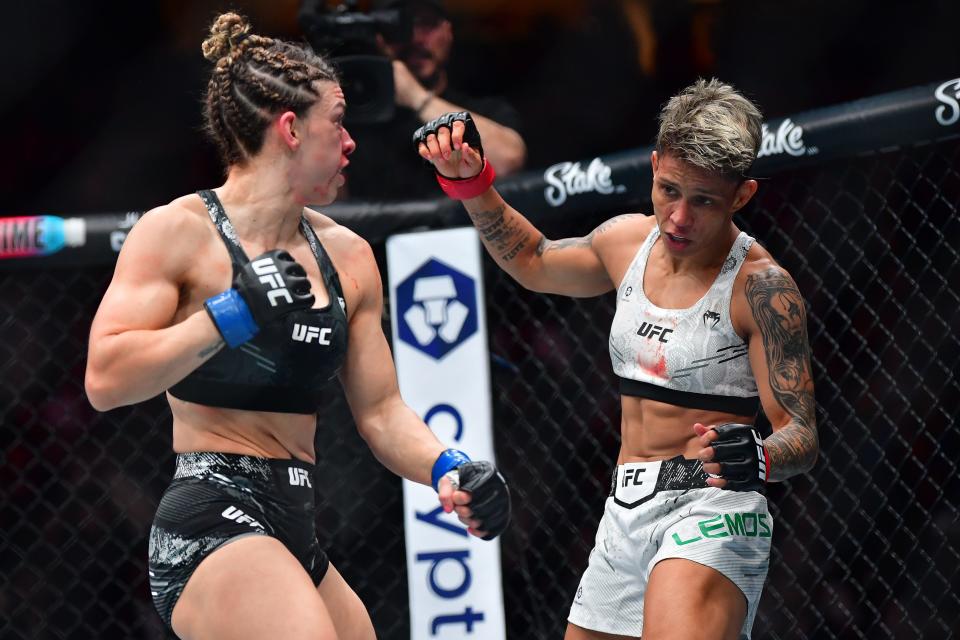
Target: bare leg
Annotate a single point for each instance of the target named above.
(686, 599)
(350, 617)
(252, 588)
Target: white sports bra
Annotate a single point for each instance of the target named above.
(686, 357)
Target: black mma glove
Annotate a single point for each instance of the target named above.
(267, 288)
(490, 497)
(459, 188)
(742, 457)
(470, 133)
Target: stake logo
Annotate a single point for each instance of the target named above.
(949, 94)
(788, 138)
(567, 179)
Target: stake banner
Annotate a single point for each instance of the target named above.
(440, 349)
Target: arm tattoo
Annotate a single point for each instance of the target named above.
(612, 222)
(501, 234)
(512, 253)
(586, 241)
(566, 243)
(779, 312)
(211, 349)
(542, 245)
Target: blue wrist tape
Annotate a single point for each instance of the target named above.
(449, 459)
(232, 316)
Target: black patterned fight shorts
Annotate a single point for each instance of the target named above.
(216, 498)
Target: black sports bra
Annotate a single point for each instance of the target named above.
(284, 367)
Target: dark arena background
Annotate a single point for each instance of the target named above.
(858, 200)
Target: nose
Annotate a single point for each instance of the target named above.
(347, 143)
(680, 215)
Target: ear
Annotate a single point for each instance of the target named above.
(286, 127)
(447, 27)
(445, 41)
(745, 191)
(654, 161)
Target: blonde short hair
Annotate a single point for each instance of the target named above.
(712, 126)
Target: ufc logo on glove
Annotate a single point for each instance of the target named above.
(266, 268)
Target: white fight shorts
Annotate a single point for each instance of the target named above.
(649, 517)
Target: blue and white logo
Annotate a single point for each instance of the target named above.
(436, 308)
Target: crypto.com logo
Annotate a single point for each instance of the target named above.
(436, 309)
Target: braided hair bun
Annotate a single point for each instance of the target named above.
(226, 34)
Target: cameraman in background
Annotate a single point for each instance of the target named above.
(383, 167)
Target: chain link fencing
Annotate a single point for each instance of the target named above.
(866, 546)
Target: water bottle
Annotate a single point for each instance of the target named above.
(31, 236)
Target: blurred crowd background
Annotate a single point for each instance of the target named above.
(101, 99)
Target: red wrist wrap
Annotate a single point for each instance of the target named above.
(466, 188)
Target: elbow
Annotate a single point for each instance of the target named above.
(378, 421)
(369, 430)
(537, 286)
(529, 282)
(526, 271)
(811, 461)
(814, 456)
(814, 445)
(364, 431)
(99, 393)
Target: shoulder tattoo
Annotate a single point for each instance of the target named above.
(612, 222)
(554, 245)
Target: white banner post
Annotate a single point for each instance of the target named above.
(440, 349)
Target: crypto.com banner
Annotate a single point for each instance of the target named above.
(440, 347)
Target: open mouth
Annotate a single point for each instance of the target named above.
(677, 240)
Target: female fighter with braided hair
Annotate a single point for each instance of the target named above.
(241, 347)
(708, 328)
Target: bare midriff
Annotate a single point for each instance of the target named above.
(265, 434)
(652, 430)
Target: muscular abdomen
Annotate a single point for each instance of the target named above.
(198, 427)
(652, 430)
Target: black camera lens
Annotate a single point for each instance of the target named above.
(350, 38)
